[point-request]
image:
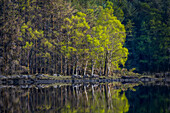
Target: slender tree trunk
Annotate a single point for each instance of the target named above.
(4, 58)
(56, 67)
(106, 61)
(69, 68)
(100, 68)
(108, 70)
(36, 68)
(48, 65)
(76, 69)
(92, 69)
(77, 66)
(65, 66)
(41, 65)
(28, 63)
(61, 64)
(45, 67)
(85, 67)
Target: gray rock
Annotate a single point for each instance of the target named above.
(2, 77)
(2, 87)
(29, 76)
(56, 86)
(55, 75)
(59, 75)
(79, 76)
(24, 86)
(95, 85)
(17, 76)
(76, 76)
(23, 76)
(95, 76)
(40, 76)
(9, 76)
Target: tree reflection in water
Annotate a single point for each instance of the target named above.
(79, 98)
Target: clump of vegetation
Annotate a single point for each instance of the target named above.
(80, 37)
(76, 43)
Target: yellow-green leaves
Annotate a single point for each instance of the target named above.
(68, 20)
(46, 55)
(109, 36)
(28, 45)
(81, 14)
(102, 37)
(76, 37)
(48, 44)
(89, 38)
(72, 49)
(29, 34)
(23, 27)
(20, 39)
(63, 48)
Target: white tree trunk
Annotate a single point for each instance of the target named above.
(85, 68)
(92, 69)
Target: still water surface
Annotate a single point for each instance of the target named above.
(85, 98)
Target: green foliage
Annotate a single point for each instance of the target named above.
(109, 34)
(28, 45)
(96, 32)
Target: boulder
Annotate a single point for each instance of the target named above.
(40, 76)
(2, 77)
(23, 76)
(29, 76)
(55, 75)
(95, 76)
(76, 76)
(59, 75)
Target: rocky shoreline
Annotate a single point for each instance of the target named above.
(44, 79)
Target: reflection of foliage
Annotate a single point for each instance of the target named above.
(10, 101)
(102, 101)
(93, 98)
(130, 86)
(120, 102)
(66, 99)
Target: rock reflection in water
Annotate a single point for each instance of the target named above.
(78, 98)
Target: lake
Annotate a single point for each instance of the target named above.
(86, 98)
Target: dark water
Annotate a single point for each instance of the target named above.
(85, 98)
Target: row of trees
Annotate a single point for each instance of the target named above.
(52, 36)
(80, 36)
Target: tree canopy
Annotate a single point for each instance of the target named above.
(83, 37)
